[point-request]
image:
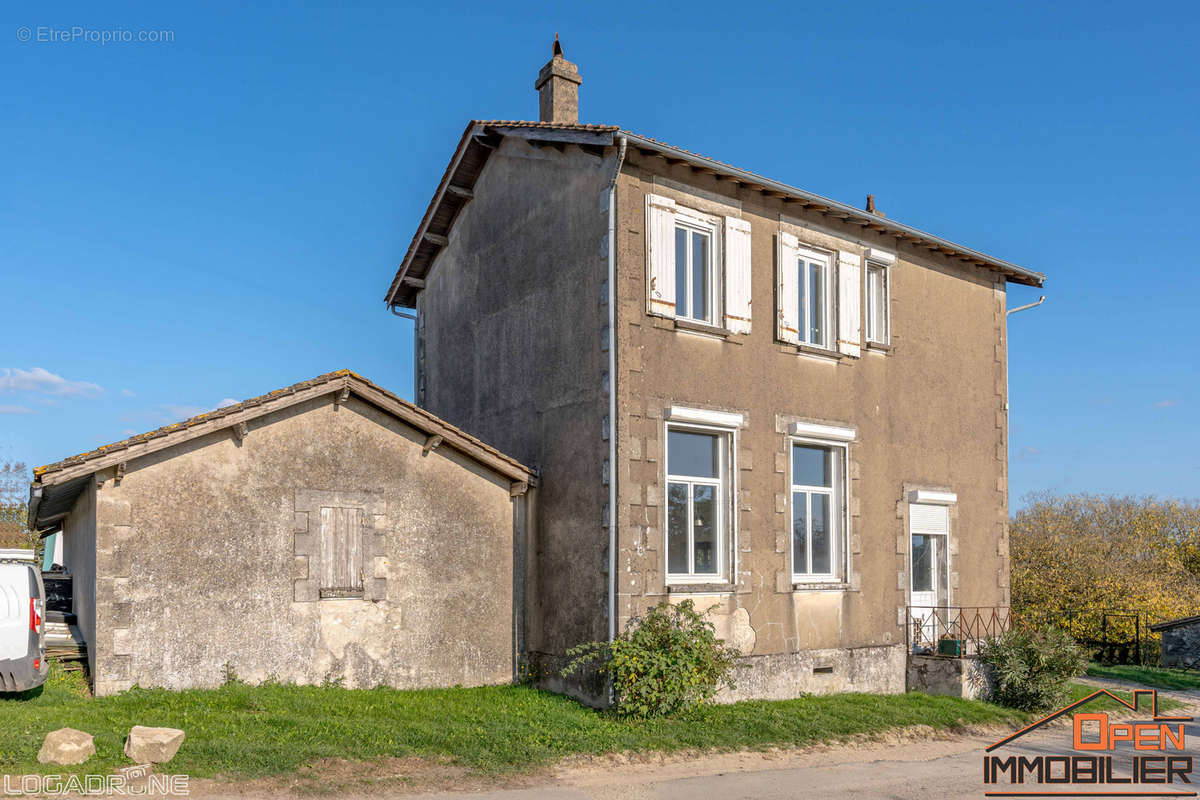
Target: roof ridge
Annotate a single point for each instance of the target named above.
(259, 400)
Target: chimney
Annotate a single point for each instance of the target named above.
(558, 89)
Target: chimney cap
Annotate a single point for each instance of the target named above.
(557, 46)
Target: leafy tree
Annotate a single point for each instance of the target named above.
(1075, 557)
(14, 492)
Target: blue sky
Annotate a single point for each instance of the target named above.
(213, 217)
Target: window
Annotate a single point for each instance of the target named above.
(877, 303)
(697, 469)
(817, 510)
(813, 287)
(341, 552)
(694, 271)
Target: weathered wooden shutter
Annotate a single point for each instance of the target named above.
(341, 551)
(660, 255)
(788, 300)
(849, 303)
(737, 275)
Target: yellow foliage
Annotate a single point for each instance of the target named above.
(1077, 557)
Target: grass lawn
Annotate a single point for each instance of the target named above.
(1156, 677)
(241, 731)
(1081, 690)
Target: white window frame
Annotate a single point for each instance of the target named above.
(725, 513)
(871, 330)
(695, 221)
(839, 503)
(807, 256)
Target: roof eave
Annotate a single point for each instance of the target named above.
(1012, 272)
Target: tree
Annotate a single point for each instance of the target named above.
(1076, 556)
(14, 492)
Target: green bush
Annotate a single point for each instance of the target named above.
(1034, 667)
(664, 663)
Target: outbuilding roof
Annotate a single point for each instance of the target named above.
(482, 137)
(1174, 623)
(56, 485)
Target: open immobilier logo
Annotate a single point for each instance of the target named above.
(1110, 758)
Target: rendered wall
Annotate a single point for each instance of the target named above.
(205, 559)
(930, 413)
(512, 330)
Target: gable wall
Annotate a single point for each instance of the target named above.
(206, 553)
(512, 324)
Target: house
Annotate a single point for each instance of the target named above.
(326, 531)
(1180, 642)
(787, 409)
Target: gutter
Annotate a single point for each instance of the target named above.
(612, 389)
(1026, 275)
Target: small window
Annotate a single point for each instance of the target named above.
(697, 472)
(694, 272)
(341, 552)
(877, 303)
(817, 510)
(813, 285)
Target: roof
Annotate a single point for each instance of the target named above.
(1174, 623)
(56, 485)
(481, 137)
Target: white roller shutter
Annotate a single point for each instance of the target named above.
(849, 303)
(788, 300)
(660, 255)
(924, 518)
(737, 275)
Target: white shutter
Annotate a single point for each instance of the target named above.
(788, 300)
(660, 255)
(849, 304)
(737, 275)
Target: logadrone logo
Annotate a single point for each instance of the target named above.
(1111, 758)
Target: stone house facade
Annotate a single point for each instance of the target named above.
(326, 531)
(786, 409)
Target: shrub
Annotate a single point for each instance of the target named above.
(1033, 667)
(664, 663)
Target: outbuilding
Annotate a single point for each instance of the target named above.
(329, 531)
(1180, 641)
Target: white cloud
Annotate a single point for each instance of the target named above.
(227, 402)
(1030, 452)
(43, 381)
(127, 392)
(1165, 404)
(15, 410)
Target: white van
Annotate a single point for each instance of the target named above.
(22, 627)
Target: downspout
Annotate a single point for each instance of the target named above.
(416, 333)
(612, 390)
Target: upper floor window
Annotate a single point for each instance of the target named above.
(694, 278)
(805, 294)
(697, 489)
(814, 297)
(818, 502)
(697, 266)
(877, 303)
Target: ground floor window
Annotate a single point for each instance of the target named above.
(697, 495)
(818, 510)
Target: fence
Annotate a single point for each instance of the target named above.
(954, 630)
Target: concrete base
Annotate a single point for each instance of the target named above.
(875, 670)
(967, 677)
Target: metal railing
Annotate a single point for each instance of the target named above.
(954, 630)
